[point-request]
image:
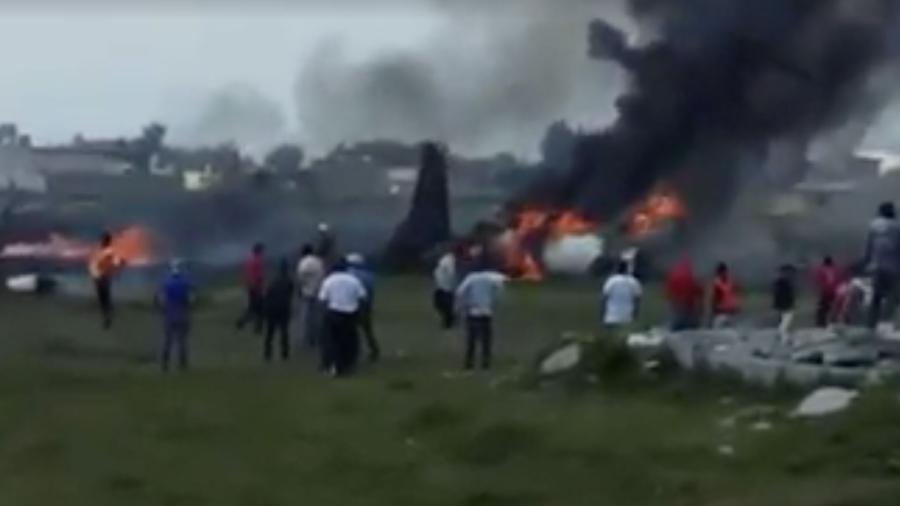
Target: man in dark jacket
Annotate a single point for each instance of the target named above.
(882, 259)
(279, 298)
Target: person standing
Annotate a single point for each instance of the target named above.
(175, 298)
(446, 280)
(102, 266)
(784, 300)
(279, 299)
(476, 300)
(310, 273)
(685, 295)
(725, 304)
(254, 286)
(827, 278)
(342, 295)
(621, 297)
(882, 259)
(357, 267)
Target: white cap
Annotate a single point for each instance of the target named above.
(355, 259)
(323, 227)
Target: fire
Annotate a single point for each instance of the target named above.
(134, 245)
(660, 207)
(538, 225)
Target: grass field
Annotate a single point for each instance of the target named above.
(87, 419)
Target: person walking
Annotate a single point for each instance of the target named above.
(342, 295)
(310, 273)
(476, 300)
(357, 267)
(175, 298)
(685, 295)
(827, 278)
(725, 304)
(102, 266)
(621, 298)
(254, 285)
(882, 260)
(446, 279)
(784, 299)
(278, 302)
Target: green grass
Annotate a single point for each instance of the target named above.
(87, 419)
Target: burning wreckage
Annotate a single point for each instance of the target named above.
(712, 98)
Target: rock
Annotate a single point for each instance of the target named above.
(725, 450)
(761, 426)
(825, 401)
(25, 283)
(561, 360)
(652, 339)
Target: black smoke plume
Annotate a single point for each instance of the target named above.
(719, 83)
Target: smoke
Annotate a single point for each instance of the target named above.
(491, 79)
(235, 114)
(726, 84)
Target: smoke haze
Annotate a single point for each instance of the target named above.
(492, 78)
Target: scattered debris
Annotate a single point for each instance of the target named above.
(653, 339)
(825, 401)
(562, 360)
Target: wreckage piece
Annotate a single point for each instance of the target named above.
(428, 223)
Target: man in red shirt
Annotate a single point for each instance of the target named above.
(685, 295)
(253, 272)
(725, 304)
(827, 278)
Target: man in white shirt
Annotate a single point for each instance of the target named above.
(445, 282)
(621, 297)
(310, 273)
(342, 295)
(476, 300)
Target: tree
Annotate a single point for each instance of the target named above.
(285, 159)
(148, 145)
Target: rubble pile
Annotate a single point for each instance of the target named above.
(849, 356)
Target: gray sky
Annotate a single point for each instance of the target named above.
(105, 71)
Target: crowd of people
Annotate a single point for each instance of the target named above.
(331, 298)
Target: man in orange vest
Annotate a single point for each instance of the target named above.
(102, 266)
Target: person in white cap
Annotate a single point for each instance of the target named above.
(342, 295)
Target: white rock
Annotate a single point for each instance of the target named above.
(25, 283)
(825, 401)
(652, 339)
(561, 360)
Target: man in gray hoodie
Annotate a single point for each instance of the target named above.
(882, 260)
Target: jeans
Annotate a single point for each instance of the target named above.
(103, 288)
(444, 304)
(884, 294)
(281, 325)
(176, 331)
(479, 334)
(311, 319)
(340, 347)
(368, 330)
(254, 312)
(823, 309)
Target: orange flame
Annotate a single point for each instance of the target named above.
(133, 245)
(662, 206)
(530, 223)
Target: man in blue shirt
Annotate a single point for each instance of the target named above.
(358, 269)
(174, 299)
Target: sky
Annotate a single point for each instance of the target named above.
(104, 70)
